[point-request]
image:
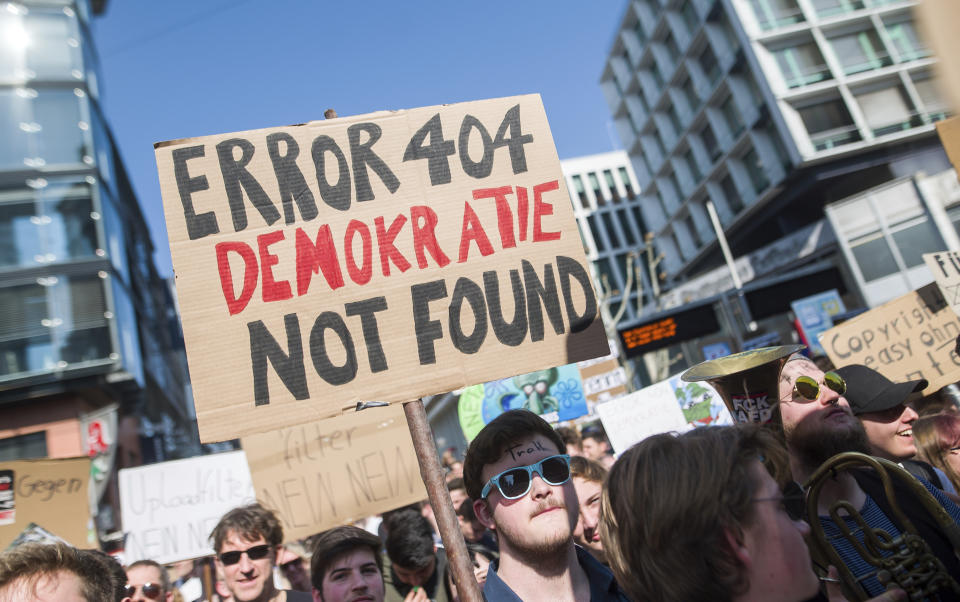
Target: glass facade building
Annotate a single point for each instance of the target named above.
(84, 310)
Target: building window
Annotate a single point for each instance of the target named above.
(671, 45)
(732, 117)
(607, 218)
(710, 143)
(611, 185)
(692, 165)
(52, 225)
(690, 18)
(829, 124)
(624, 218)
(692, 229)
(776, 13)
(709, 66)
(860, 51)
(754, 166)
(663, 204)
(827, 8)
(674, 120)
(595, 232)
(885, 223)
(50, 48)
(41, 128)
(888, 111)
(625, 180)
(802, 65)
(51, 325)
(929, 92)
(638, 31)
(693, 101)
(657, 77)
(24, 447)
(581, 192)
(734, 202)
(597, 193)
(905, 40)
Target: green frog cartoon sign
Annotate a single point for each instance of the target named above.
(556, 394)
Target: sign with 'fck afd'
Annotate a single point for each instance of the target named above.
(383, 256)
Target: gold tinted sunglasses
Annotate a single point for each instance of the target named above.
(808, 388)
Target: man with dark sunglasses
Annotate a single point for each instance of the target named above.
(518, 475)
(246, 542)
(147, 581)
(818, 424)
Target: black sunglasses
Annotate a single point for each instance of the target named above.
(150, 590)
(254, 553)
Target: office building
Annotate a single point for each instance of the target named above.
(87, 323)
(774, 111)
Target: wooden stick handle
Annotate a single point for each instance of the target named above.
(461, 565)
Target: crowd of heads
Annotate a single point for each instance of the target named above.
(710, 514)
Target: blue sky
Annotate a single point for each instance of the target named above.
(182, 68)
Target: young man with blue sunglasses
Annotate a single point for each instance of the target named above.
(519, 478)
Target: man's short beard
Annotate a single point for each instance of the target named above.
(813, 445)
(544, 550)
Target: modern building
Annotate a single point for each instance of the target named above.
(772, 111)
(87, 323)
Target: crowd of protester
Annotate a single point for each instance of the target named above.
(548, 513)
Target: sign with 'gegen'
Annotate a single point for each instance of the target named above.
(384, 256)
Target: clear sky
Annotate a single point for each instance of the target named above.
(182, 68)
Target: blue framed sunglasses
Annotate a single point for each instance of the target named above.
(514, 483)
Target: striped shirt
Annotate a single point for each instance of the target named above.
(876, 519)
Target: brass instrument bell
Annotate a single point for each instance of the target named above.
(748, 382)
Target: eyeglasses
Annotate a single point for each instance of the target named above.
(150, 590)
(808, 388)
(254, 553)
(514, 483)
(791, 499)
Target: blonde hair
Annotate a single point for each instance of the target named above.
(668, 504)
(935, 435)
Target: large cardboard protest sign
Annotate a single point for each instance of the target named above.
(51, 493)
(383, 256)
(905, 339)
(329, 473)
(170, 508)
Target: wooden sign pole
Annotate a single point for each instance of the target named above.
(460, 562)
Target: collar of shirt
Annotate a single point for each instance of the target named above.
(603, 587)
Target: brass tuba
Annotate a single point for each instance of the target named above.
(748, 382)
(905, 561)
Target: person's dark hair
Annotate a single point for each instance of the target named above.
(587, 469)
(164, 576)
(479, 548)
(494, 439)
(330, 546)
(455, 483)
(570, 436)
(32, 561)
(250, 522)
(466, 510)
(694, 489)
(410, 540)
(595, 432)
(117, 574)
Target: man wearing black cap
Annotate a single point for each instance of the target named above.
(880, 404)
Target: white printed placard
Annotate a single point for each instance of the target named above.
(170, 508)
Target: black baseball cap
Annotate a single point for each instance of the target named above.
(870, 391)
